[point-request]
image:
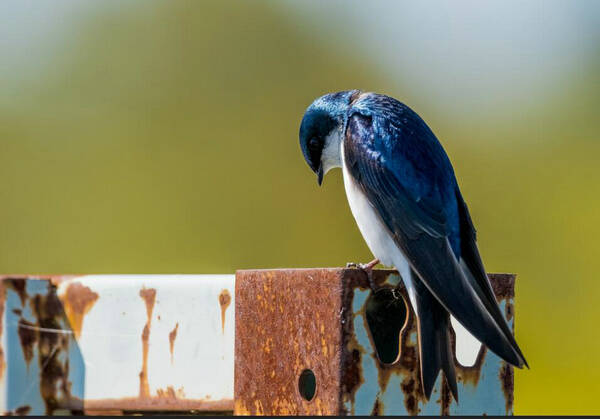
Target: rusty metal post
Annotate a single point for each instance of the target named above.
(318, 341)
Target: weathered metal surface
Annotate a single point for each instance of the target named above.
(106, 343)
(41, 357)
(361, 347)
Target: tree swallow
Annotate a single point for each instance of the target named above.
(404, 196)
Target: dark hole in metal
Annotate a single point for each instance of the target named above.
(307, 384)
(386, 315)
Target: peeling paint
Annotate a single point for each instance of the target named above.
(17, 285)
(78, 301)
(52, 347)
(28, 336)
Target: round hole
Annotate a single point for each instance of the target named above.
(307, 384)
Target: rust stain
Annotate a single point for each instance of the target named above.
(171, 393)
(149, 297)
(445, 398)
(509, 311)
(159, 403)
(377, 408)
(410, 368)
(18, 286)
(224, 301)
(22, 410)
(52, 348)
(470, 375)
(287, 343)
(172, 337)
(503, 285)
(352, 373)
(41, 338)
(508, 384)
(28, 336)
(89, 412)
(78, 301)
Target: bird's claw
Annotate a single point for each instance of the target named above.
(362, 266)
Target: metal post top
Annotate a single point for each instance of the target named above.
(320, 341)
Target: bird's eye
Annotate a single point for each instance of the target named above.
(313, 144)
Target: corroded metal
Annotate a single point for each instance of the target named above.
(116, 343)
(361, 347)
(41, 356)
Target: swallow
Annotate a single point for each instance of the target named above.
(404, 196)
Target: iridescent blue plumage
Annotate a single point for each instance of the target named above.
(412, 162)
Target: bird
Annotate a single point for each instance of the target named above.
(404, 196)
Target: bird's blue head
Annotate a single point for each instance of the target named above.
(323, 117)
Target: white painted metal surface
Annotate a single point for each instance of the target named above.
(135, 343)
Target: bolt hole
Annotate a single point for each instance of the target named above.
(386, 313)
(307, 384)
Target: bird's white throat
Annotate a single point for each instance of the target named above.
(331, 156)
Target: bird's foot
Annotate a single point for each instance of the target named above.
(367, 268)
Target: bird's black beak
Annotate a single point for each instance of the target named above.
(320, 175)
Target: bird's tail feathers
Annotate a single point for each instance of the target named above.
(435, 352)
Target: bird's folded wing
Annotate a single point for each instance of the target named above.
(411, 205)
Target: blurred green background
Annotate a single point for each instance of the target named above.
(162, 137)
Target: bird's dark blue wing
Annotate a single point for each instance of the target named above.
(406, 175)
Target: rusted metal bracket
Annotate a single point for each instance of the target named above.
(318, 341)
(116, 343)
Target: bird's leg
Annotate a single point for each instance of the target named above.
(368, 269)
(369, 266)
